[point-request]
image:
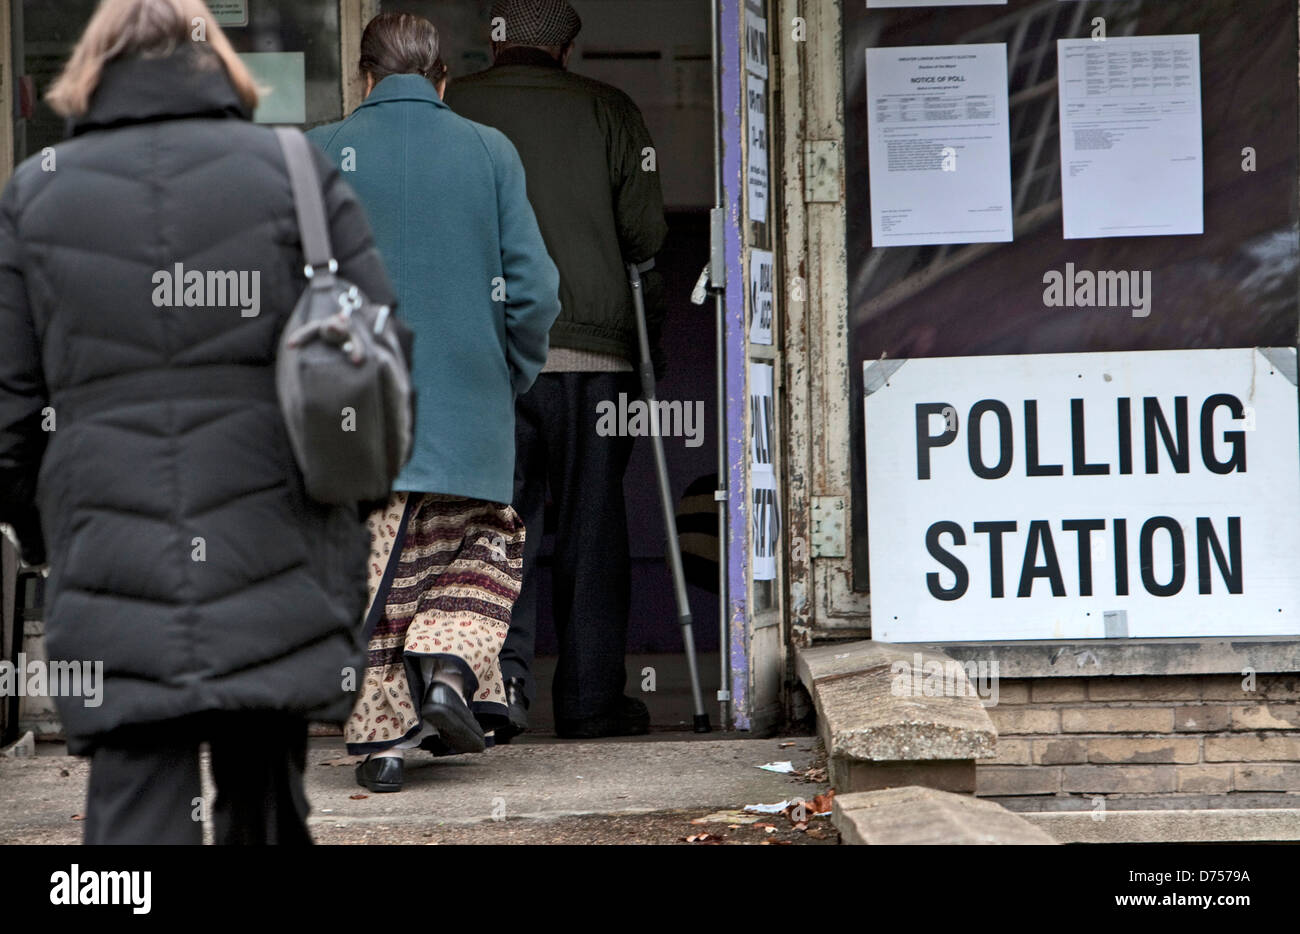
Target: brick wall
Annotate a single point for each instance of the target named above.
(1183, 735)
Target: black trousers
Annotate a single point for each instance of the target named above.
(145, 786)
(557, 447)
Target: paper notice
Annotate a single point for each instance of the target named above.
(756, 182)
(893, 4)
(1131, 157)
(765, 526)
(761, 271)
(762, 432)
(940, 156)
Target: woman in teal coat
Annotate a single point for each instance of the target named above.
(452, 221)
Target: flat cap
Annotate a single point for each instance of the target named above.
(538, 22)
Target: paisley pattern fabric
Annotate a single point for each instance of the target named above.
(444, 573)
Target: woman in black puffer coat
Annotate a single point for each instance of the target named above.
(142, 449)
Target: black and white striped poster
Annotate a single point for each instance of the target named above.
(765, 515)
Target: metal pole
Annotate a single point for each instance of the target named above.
(666, 498)
(718, 284)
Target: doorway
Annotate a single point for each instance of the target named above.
(658, 52)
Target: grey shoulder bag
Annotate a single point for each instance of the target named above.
(343, 370)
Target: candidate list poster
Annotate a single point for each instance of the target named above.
(1131, 150)
(1084, 496)
(939, 145)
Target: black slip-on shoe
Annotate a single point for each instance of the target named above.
(381, 774)
(446, 711)
(517, 707)
(631, 718)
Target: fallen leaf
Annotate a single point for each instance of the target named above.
(786, 745)
(822, 803)
(703, 838)
(78, 816)
(777, 843)
(357, 797)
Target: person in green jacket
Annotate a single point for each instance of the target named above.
(448, 203)
(593, 181)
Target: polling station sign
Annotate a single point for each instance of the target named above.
(1084, 496)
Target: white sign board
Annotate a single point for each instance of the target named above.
(1084, 496)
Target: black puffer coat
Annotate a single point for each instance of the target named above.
(184, 554)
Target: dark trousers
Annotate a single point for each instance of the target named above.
(145, 785)
(557, 447)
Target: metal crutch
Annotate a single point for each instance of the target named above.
(647, 372)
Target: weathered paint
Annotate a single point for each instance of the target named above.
(731, 50)
(7, 70)
(816, 336)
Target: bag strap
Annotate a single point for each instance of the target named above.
(307, 201)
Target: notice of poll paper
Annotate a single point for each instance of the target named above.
(894, 4)
(1131, 153)
(939, 148)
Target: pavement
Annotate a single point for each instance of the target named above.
(647, 790)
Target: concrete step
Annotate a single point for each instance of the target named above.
(924, 816)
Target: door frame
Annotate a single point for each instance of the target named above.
(8, 101)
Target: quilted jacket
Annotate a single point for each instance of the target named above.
(140, 436)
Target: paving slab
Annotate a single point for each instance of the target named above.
(913, 815)
(39, 797)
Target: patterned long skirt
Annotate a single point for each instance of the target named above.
(444, 574)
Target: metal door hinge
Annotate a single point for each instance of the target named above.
(828, 514)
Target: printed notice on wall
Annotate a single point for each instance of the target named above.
(229, 12)
(756, 182)
(940, 154)
(755, 40)
(761, 269)
(765, 517)
(1084, 496)
(761, 429)
(765, 527)
(1131, 154)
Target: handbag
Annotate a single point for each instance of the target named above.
(343, 366)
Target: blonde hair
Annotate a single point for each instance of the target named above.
(141, 27)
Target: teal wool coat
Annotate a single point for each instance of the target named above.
(447, 201)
